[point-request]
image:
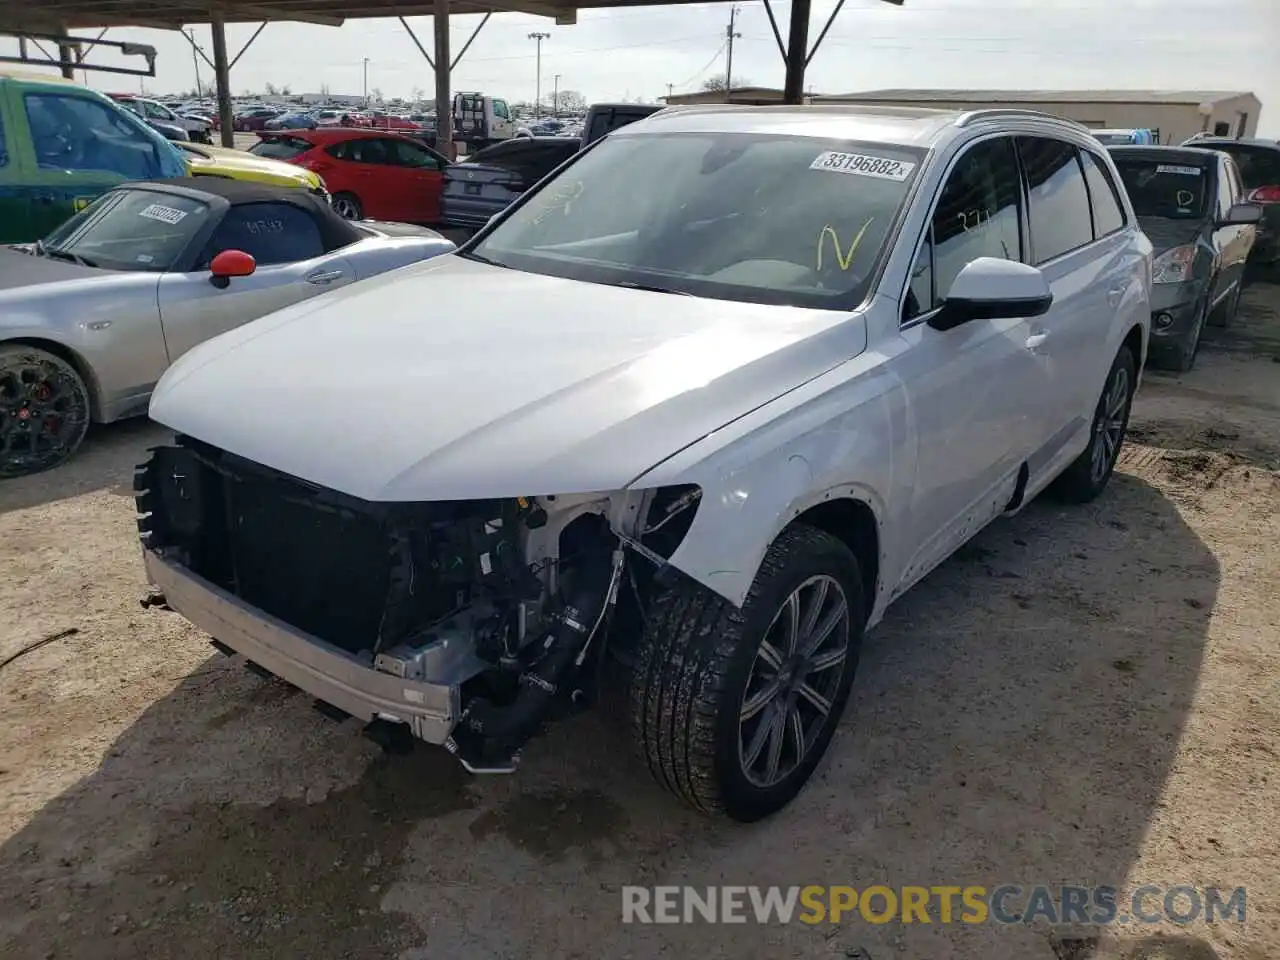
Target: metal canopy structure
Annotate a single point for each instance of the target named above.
(56, 17)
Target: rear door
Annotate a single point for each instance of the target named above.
(292, 266)
(1088, 281)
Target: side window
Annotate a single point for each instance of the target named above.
(405, 154)
(1108, 213)
(500, 110)
(1237, 185)
(4, 150)
(157, 112)
(1059, 215)
(977, 215)
(269, 232)
(1226, 193)
(71, 132)
(339, 151)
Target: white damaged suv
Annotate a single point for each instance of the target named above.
(675, 429)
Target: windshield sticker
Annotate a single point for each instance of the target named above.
(843, 260)
(882, 168)
(158, 211)
(144, 258)
(1180, 171)
(1185, 199)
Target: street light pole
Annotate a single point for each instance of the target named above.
(366, 83)
(537, 97)
(555, 98)
(728, 67)
(195, 63)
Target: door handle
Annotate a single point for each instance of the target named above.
(1036, 341)
(324, 276)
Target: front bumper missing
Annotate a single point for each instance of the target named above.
(429, 710)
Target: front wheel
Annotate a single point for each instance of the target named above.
(44, 410)
(733, 709)
(1088, 474)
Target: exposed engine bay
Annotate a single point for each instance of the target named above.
(509, 607)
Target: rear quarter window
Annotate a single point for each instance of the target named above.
(1108, 212)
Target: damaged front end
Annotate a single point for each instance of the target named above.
(465, 623)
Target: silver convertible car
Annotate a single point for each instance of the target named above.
(93, 314)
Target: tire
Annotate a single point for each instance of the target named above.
(44, 411)
(702, 661)
(1088, 474)
(347, 205)
(1225, 315)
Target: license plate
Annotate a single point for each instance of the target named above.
(472, 188)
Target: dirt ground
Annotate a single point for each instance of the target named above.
(1083, 695)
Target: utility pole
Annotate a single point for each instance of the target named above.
(555, 99)
(537, 97)
(195, 62)
(670, 91)
(731, 34)
(366, 83)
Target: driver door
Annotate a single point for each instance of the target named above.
(292, 265)
(971, 389)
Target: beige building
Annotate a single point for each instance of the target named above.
(1176, 114)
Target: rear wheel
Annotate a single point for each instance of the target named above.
(347, 205)
(733, 709)
(44, 410)
(1088, 474)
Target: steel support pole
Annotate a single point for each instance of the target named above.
(797, 52)
(222, 79)
(444, 101)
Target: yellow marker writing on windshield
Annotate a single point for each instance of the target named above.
(845, 260)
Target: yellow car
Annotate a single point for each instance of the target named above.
(207, 161)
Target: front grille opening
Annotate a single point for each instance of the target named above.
(360, 576)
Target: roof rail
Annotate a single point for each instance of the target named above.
(990, 113)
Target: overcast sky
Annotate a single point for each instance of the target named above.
(637, 52)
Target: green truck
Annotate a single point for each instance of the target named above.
(61, 145)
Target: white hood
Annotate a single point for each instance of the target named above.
(452, 379)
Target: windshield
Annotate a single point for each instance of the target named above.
(733, 216)
(1175, 191)
(129, 230)
(280, 148)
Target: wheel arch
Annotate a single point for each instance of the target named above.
(854, 523)
(1137, 344)
(77, 362)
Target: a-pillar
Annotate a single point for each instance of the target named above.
(222, 77)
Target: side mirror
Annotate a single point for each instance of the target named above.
(228, 264)
(1242, 214)
(989, 288)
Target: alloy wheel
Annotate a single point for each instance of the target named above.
(42, 415)
(793, 681)
(1109, 424)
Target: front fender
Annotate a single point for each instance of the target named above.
(839, 436)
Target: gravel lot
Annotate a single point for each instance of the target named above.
(1081, 696)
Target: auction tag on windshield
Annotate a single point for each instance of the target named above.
(158, 211)
(1181, 171)
(861, 165)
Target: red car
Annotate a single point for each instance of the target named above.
(370, 173)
